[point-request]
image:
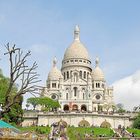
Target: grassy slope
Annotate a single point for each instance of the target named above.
(135, 131)
(73, 132)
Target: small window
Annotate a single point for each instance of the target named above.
(64, 76)
(67, 96)
(92, 85)
(75, 91)
(80, 74)
(48, 85)
(84, 75)
(83, 96)
(53, 85)
(67, 75)
(84, 61)
(97, 85)
(71, 60)
(76, 60)
(67, 61)
(80, 60)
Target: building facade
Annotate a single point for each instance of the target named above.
(81, 91)
(78, 86)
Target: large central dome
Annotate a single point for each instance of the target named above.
(76, 55)
(76, 49)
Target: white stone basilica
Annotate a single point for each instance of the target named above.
(78, 86)
(81, 91)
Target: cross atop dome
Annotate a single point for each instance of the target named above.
(77, 33)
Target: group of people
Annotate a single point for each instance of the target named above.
(58, 132)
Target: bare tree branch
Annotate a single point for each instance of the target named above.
(22, 73)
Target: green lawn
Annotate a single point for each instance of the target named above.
(38, 129)
(135, 131)
(77, 133)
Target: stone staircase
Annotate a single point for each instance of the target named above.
(122, 133)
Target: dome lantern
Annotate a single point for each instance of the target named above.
(97, 61)
(54, 62)
(77, 33)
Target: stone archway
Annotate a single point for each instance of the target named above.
(66, 107)
(84, 123)
(83, 108)
(74, 107)
(105, 124)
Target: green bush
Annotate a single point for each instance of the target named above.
(37, 129)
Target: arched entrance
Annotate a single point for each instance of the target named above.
(75, 107)
(84, 123)
(83, 108)
(105, 124)
(66, 108)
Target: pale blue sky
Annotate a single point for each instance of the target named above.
(110, 29)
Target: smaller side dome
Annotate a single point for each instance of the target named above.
(97, 73)
(55, 73)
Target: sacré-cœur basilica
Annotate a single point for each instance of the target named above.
(81, 90)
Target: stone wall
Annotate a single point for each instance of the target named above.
(73, 119)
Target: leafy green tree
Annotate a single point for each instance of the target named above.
(33, 101)
(45, 102)
(15, 113)
(136, 123)
(48, 103)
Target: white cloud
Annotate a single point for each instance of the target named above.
(127, 90)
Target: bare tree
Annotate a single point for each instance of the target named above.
(20, 72)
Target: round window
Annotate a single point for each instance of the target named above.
(53, 96)
(98, 97)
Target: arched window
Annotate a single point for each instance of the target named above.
(83, 107)
(64, 76)
(67, 96)
(67, 75)
(53, 85)
(75, 91)
(97, 85)
(87, 74)
(80, 74)
(84, 75)
(66, 107)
